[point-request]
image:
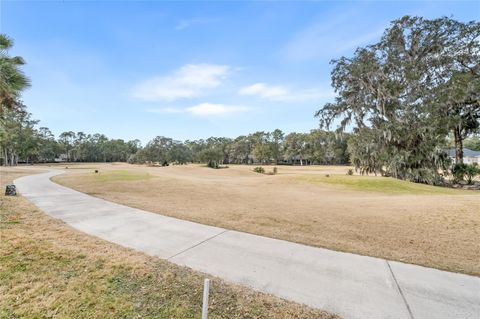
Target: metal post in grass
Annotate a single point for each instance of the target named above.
(206, 287)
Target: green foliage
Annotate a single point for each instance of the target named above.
(262, 147)
(295, 146)
(405, 93)
(471, 172)
(315, 147)
(472, 143)
(12, 79)
(461, 171)
(259, 169)
(366, 154)
(163, 150)
(21, 141)
(277, 138)
(212, 164)
(18, 136)
(458, 172)
(213, 156)
(350, 172)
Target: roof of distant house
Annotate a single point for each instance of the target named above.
(466, 152)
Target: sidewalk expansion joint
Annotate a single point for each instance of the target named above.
(197, 244)
(400, 290)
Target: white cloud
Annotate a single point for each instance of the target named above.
(284, 94)
(263, 90)
(203, 109)
(189, 81)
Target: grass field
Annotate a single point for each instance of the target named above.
(375, 216)
(379, 185)
(48, 269)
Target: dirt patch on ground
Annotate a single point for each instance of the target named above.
(48, 269)
(417, 224)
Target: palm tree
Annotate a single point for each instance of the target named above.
(12, 79)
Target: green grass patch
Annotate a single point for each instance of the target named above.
(386, 185)
(120, 175)
(10, 222)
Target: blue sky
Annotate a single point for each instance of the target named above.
(191, 70)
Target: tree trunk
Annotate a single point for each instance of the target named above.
(6, 157)
(458, 145)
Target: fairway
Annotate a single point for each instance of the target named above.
(374, 216)
(191, 155)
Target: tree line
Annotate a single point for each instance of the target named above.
(315, 147)
(22, 141)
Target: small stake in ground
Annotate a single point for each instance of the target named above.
(206, 287)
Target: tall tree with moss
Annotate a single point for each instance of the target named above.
(395, 92)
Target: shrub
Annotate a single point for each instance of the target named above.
(259, 169)
(350, 172)
(460, 171)
(471, 171)
(212, 164)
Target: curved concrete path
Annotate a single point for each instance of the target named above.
(349, 285)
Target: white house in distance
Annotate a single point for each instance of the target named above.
(469, 156)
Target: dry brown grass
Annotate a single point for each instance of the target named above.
(417, 224)
(48, 269)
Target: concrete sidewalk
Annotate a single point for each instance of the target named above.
(352, 286)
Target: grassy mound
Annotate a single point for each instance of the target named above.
(385, 185)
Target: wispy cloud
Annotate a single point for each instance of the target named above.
(191, 80)
(203, 109)
(284, 94)
(332, 36)
(187, 23)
